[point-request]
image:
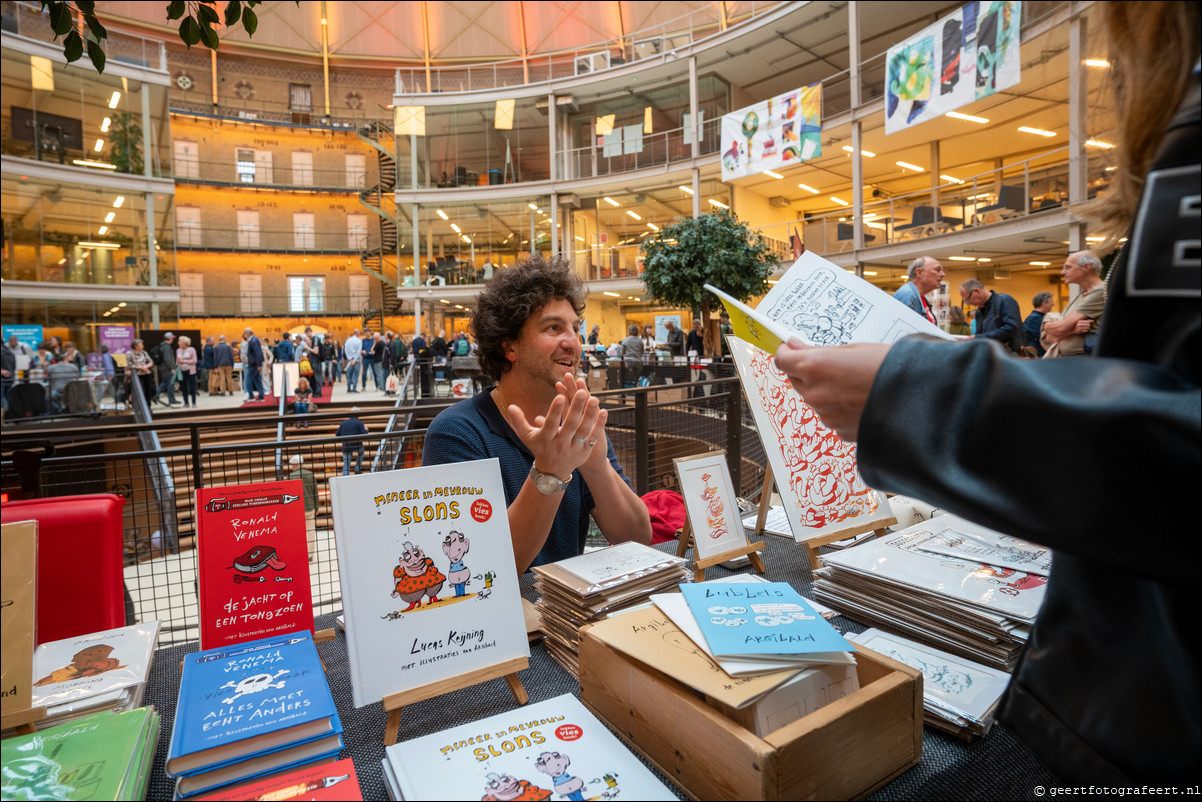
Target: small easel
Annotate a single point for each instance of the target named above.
(507, 670)
(811, 545)
(23, 720)
(750, 549)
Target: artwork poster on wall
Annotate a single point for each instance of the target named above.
(773, 134)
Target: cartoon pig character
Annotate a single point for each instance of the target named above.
(506, 786)
(416, 577)
(455, 545)
(555, 766)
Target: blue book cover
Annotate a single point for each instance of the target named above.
(256, 697)
(739, 619)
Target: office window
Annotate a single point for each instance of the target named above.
(356, 231)
(306, 293)
(191, 294)
(360, 291)
(187, 159)
(253, 166)
(187, 226)
(356, 171)
(248, 228)
(303, 234)
(302, 168)
(250, 287)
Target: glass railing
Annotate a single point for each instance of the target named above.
(279, 177)
(203, 238)
(1016, 190)
(28, 20)
(561, 64)
(658, 148)
(274, 112)
(96, 266)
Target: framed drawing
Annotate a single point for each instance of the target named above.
(714, 524)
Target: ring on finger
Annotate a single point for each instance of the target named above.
(592, 443)
(581, 441)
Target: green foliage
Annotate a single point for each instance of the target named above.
(127, 143)
(197, 20)
(714, 249)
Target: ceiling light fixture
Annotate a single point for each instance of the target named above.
(863, 152)
(1099, 143)
(840, 201)
(114, 100)
(90, 163)
(457, 229)
(1101, 63)
(908, 166)
(108, 218)
(808, 188)
(961, 259)
(870, 272)
(1041, 264)
(774, 175)
(612, 294)
(632, 214)
(120, 199)
(99, 145)
(532, 206)
(653, 226)
(955, 115)
(1026, 129)
(99, 245)
(688, 190)
(611, 201)
(951, 179)
(719, 204)
(102, 231)
(104, 125)
(441, 214)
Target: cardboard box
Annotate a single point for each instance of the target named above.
(847, 749)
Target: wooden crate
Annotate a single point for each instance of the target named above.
(845, 750)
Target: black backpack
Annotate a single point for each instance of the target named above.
(156, 355)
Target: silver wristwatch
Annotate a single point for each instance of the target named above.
(547, 484)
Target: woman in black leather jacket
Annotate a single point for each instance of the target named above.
(1108, 688)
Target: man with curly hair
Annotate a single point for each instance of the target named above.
(540, 421)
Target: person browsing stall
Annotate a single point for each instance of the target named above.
(924, 275)
(540, 421)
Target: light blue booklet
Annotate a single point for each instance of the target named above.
(740, 619)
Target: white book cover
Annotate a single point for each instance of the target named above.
(429, 584)
(949, 682)
(817, 474)
(621, 561)
(100, 664)
(555, 749)
(913, 557)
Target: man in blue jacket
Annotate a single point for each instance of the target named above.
(997, 315)
(925, 274)
(254, 360)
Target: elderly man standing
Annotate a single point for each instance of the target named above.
(223, 366)
(254, 361)
(166, 370)
(1072, 335)
(925, 275)
(352, 349)
(997, 315)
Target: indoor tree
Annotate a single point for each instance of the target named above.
(714, 249)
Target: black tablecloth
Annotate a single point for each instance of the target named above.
(996, 766)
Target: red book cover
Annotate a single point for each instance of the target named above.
(254, 562)
(332, 781)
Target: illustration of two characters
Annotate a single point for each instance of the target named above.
(554, 765)
(416, 578)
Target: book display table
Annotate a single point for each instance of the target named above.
(950, 768)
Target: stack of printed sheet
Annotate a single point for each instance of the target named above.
(593, 586)
(946, 582)
(958, 695)
(107, 670)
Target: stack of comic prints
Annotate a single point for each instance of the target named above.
(947, 583)
(958, 695)
(76, 677)
(429, 584)
(551, 750)
(596, 585)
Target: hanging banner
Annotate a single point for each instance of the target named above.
(969, 54)
(773, 134)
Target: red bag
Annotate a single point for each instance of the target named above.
(668, 514)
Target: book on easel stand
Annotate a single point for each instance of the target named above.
(18, 619)
(815, 542)
(713, 526)
(420, 626)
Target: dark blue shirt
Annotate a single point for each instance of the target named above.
(475, 429)
(1031, 329)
